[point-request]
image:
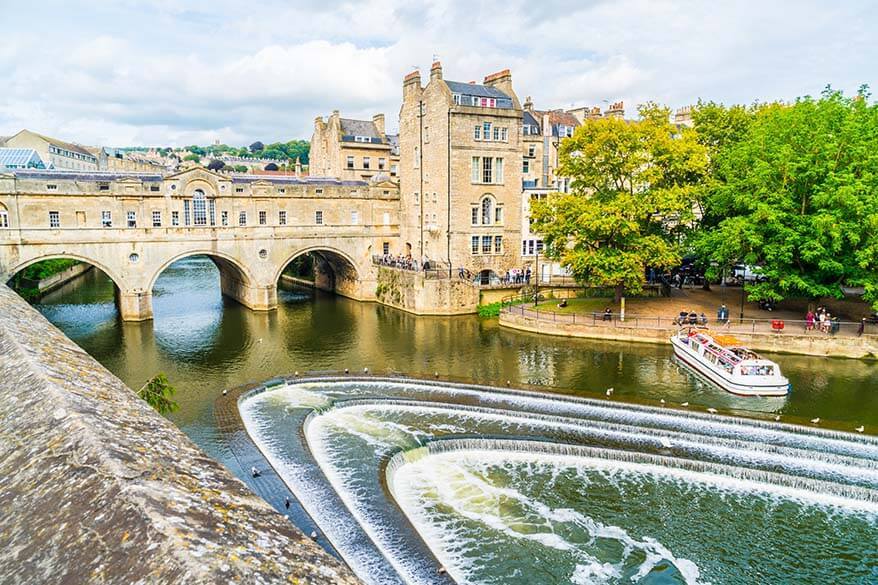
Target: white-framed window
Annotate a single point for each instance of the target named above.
(224, 218)
(498, 171)
(498, 214)
(199, 208)
(355, 217)
(106, 218)
(477, 132)
(132, 218)
(4, 219)
(475, 244)
(282, 217)
(318, 217)
(487, 207)
(382, 164)
(54, 219)
(504, 134)
(175, 218)
(532, 150)
(242, 218)
(350, 162)
(498, 244)
(394, 169)
(525, 166)
(486, 130)
(475, 216)
(156, 219)
(263, 217)
(486, 244)
(496, 134)
(367, 162)
(385, 248)
(487, 169)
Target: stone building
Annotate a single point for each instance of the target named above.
(113, 159)
(353, 150)
(53, 152)
(460, 181)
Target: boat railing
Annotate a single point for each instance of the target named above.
(548, 311)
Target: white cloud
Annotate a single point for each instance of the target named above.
(174, 72)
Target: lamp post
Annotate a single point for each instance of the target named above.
(537, 278)
(743, 282)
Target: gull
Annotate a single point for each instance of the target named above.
(435, 374)
(365, 370)
(259, 340)
(314, 534)
(254, 472)
(665, 443)
(815, 420)
(662, 401)
(609, 391)
(347, 371)
(860, 429)
(777, 417)
(711, 410)
(225, 392)
(685, 404)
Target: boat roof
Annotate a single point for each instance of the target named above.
(728, 354)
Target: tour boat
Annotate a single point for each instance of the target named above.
(734, 369)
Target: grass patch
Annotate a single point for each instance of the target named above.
(490, 310)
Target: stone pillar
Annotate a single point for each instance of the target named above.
(257, 298)
(134, 305)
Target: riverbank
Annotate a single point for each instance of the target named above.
(634, 330)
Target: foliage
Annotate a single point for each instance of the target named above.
(216, 165)
(797, 194)
(257, 147)
(632, 194)
(159, 393)
(192, 157)
(490, 310)
(241, 168)
(46, 268)
(271, 167)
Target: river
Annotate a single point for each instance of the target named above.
(205, 343)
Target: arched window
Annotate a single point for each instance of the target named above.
(487, 210)
(4, 217)
(199, 207)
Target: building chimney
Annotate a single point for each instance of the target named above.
(502, 80)
(378, 120)
(298, 168)
(436, 71)
(411, 84)
(616, 110)
(528, 104)
(683, 117)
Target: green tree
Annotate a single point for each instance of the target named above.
(216, 165)
(241, 168)
(159, 393)
(192, 157)
(798, 196)
(257, 147)
(633, 188)
(196, 150)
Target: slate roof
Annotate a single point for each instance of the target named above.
(59, 143)
(20, 158)
(84, 175)
(528, 119)
(475, 89)
(359, 128)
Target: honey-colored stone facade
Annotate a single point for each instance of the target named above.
(133, 226)
(441, 194)
(337, 152)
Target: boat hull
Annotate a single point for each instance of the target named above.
(730, 386)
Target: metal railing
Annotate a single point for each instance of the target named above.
(519, 305)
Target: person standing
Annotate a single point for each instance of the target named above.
(862, 327)
(809, 320)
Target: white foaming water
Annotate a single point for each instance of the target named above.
(377, 423)
(456, 481)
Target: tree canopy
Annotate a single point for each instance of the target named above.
(159, 393)
(794, 190)
(633, 190)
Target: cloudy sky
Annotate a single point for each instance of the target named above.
(176, 72)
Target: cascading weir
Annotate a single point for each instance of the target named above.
(503, 486)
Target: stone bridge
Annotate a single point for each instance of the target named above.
(133, 226)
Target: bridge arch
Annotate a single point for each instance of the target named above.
(335, 270)
(224, 262)
(111, 274)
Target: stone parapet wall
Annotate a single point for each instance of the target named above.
(412, 292)
(865, 347)
(97, 487)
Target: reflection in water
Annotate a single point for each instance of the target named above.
(206, 343)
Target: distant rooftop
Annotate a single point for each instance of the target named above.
(475, 89)
(149, 177)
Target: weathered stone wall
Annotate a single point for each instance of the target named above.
(865, 347)
(97, 487)
(410, 291)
